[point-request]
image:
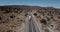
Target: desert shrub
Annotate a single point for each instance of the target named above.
(26, 14)
(3, 22)
(16, 11)
(6, 11)
(54, 20)
(9, 31)
(48, 19)
(58, 27)
(46, 30)
(21, 11)
(12, 16)
(51, 17)
(43, 21)
(35, 14)
(51, 25)
(58, 13)
(21, 20)
(0, 18)
(38, 11)
(58, 17)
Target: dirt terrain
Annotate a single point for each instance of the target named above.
(12, 21)
(13, 18)
(48, 19)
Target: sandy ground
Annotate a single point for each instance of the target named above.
(51, 18)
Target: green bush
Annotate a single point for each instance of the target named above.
(35, 14)
(43, 21)
(26, 14)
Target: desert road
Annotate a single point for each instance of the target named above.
(32, 26)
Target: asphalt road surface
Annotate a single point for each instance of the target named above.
(32, 27)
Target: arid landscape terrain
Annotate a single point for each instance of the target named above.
(48, 19)
(13, 18)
